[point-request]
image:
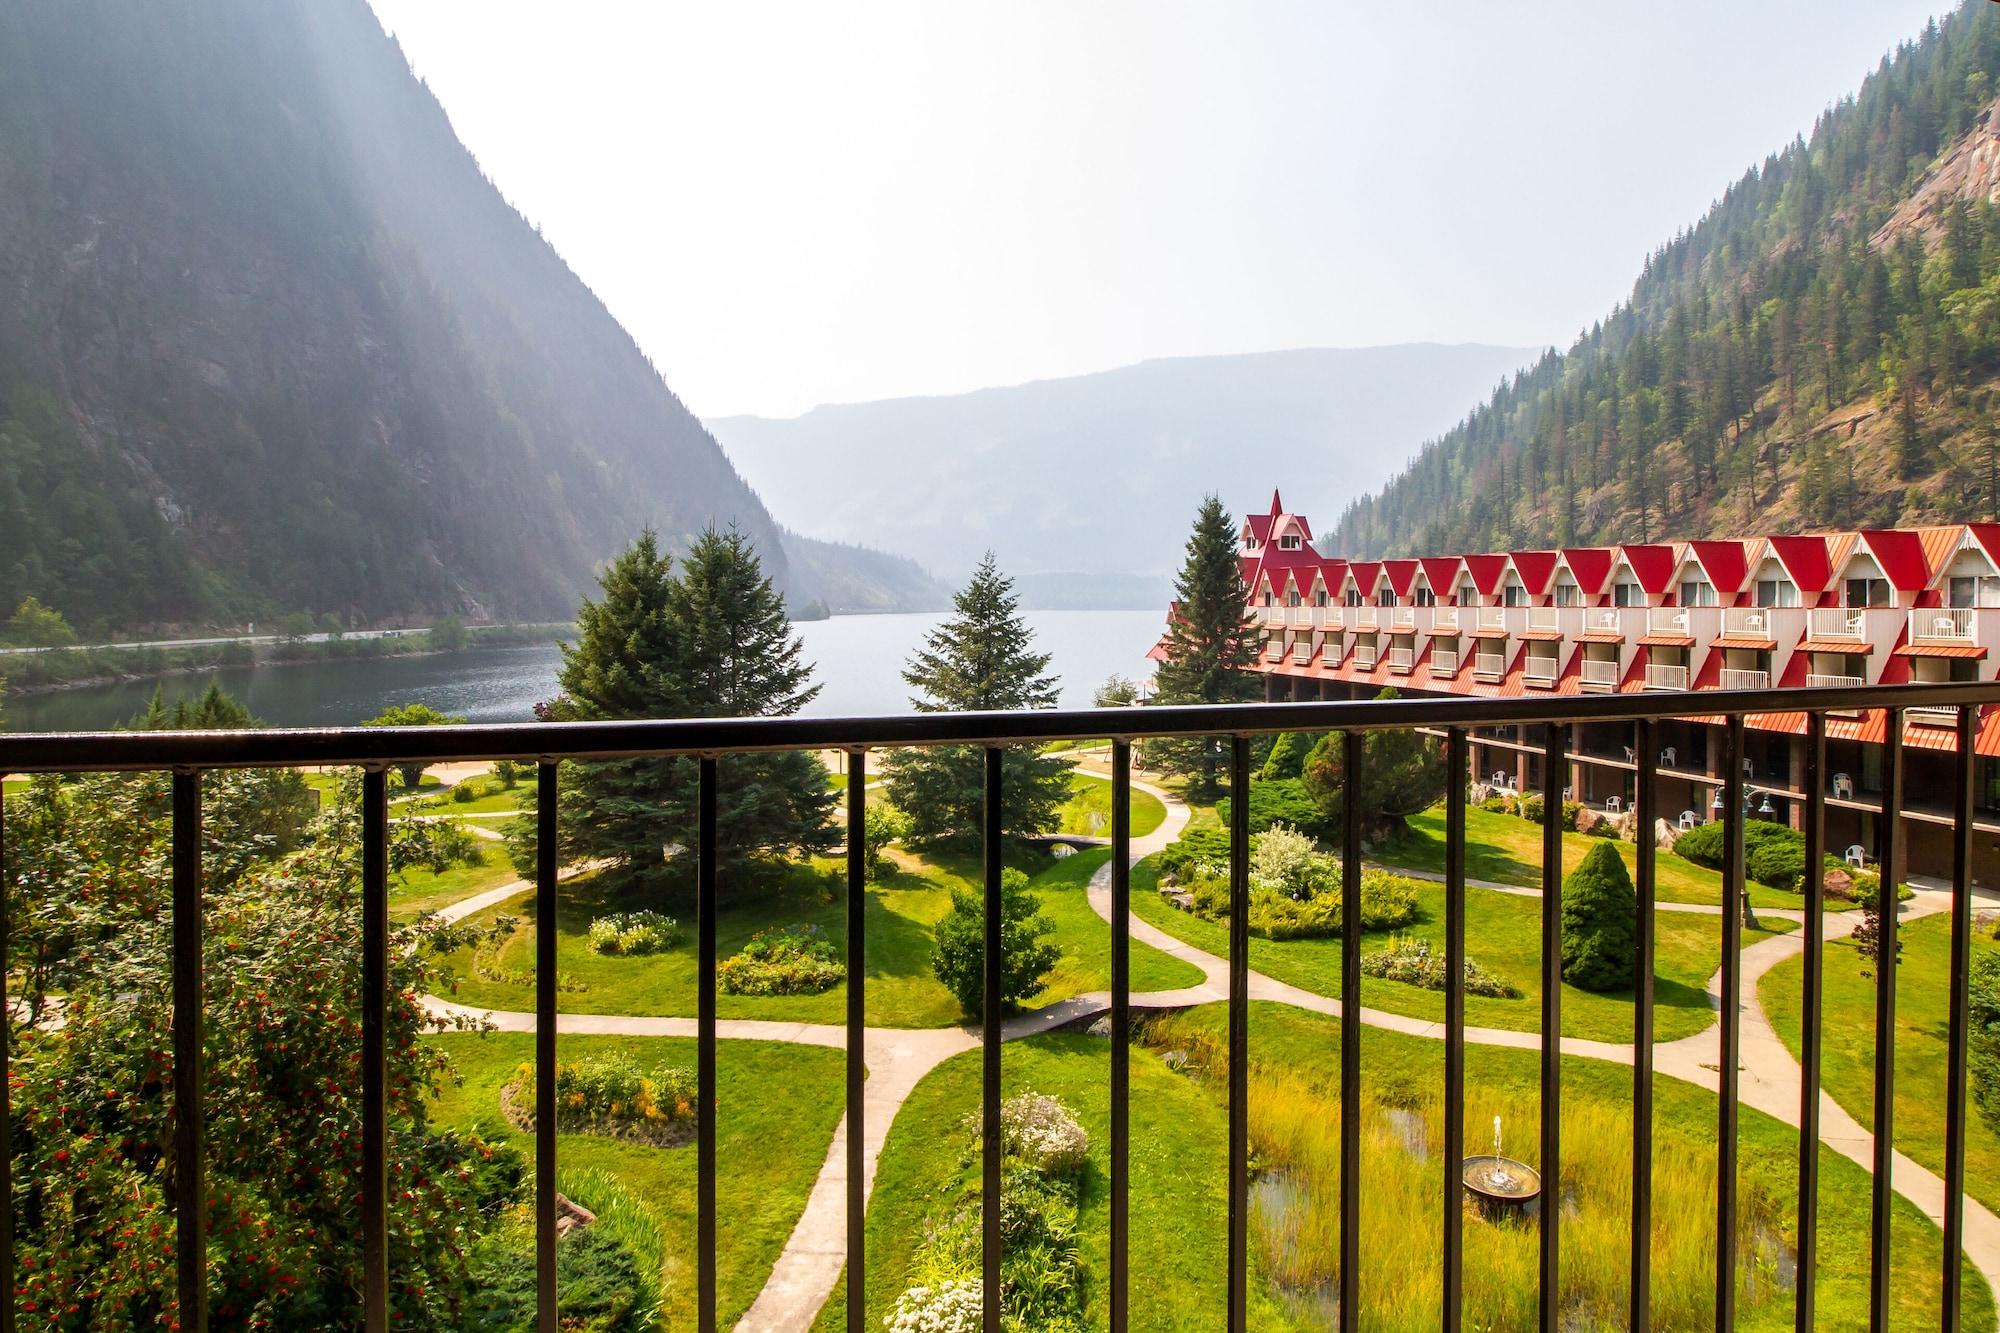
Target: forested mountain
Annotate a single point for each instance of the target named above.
(850, 580)
(1822, 348)
(270, 341)
(1083, 487)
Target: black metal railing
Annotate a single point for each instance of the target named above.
(374, 750)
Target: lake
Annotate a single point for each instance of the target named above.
(859, 658)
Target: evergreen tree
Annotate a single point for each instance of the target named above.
(980, 659)
(1600, 920)
(713, 642)
(412, 715)
(1402, 774)
(214, 709)
(959, 956)
(1211, 643)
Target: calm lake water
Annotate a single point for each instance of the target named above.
(860, 661)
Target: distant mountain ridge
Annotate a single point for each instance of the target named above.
(1821, 349)
(270, 341)
(1084, 486)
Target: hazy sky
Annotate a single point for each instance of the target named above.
(790, 204)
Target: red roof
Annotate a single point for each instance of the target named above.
(1654, 564)
(1723, 562)
(1988, 537)
(1442, 571)
(1402, 574)
(1536, 568)
(1900, 553)
(1365, 572)
(1806, 560)
(1485, 571)
(1590, 566)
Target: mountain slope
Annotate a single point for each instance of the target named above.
(270, 341)
(1822, 348)
(1102, 473)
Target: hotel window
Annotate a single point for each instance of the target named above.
(1869, 592)
(1467, 594)
(1627, 594)
(1515, 595)
(1697, 592)
(1425, 597)
(1777, 592)
(1966, 592)
(1353, 597)
(1319, 598)
(1568, 594)
(1289, 542)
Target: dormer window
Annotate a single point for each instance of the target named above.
(1425, 597)
(1514, 595)
(1289, 542)
(1568, 594)
(1627, 594)
(1777, 592)
(1869, 592)
(1698, 592)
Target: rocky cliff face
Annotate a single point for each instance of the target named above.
(270, 341)
(1969, 170)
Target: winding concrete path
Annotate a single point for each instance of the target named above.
(898, 1059)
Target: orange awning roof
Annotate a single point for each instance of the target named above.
(1971, 650)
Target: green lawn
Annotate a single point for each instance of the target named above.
(778, 1105)
(1088, 811)
(420, 890)
(1507, 849)
(1402, 1070)
(1847, 1061)
(1178, 1185)
(1503, 935)
(434, 799)
(902, 910)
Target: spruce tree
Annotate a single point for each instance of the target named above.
(713, 642)
(1211, 643)
(982, 658)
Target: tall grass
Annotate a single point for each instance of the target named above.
(1295, 1132)
(625, 1219)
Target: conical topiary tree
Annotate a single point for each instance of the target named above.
(1600, 918)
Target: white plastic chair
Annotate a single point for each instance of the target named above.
(1843, 786)
(1669, 757)
(1749, 769)
(1631, 755)
(1615, 804)
(1856, 857)
(1688, 819)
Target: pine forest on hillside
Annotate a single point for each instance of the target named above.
(1821, 350)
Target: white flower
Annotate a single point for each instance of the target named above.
(1042, 1132)
(949, 1307)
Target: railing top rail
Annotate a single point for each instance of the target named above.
(86, 752)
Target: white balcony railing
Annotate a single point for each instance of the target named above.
(1491, 617)
(1544, 617)
(1600, 671)
(1364, 657)
(1302, 651)
(1444, 618)
(1327, 617)
(1366, 617)
(1818, 682)
(1733, 679)
(1932, 717)
(1749, 622)
(1941, 624)
(1402, 619)
(1666, 677)
(1400, 660)
(1668, 620)
(1839, 622)
(1491, 665)
(1603, 618)
(1538, 670)
(1299, 617)
(1444, 661)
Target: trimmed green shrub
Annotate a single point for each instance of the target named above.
(1026, 956)
(465, 793)
(609, 1095)
(1388, 902)
(601, 1289)
(1498, 804)
(1531, 807)
(1570, 810)
(1195, 850)
(1600, 915)
(1288, 755)
(1984, 1033)
(1284, 801)
(784, 960)
(1705, 844)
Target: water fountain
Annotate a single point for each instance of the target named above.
(1501, 1186)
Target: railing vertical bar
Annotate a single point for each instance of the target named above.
(1239, 1033)
(1554, 761)
(375, 1049)
(1810, 1042)
(1885, 1023)
(1734, 902)
(1950, 1318)
(1121, 1028)
(6, 1090)
(1351, 1033)
(547, 857)
(857, 1038)
(190, 1149)
(1645, 811)
(707, 850)
(1457, 764)
(989, 1027)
